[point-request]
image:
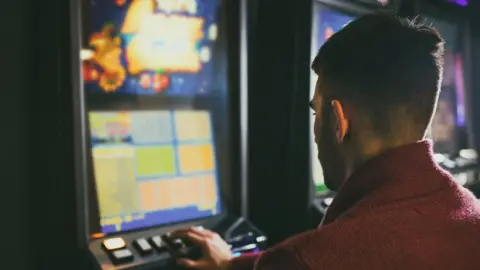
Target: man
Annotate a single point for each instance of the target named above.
(377, 89)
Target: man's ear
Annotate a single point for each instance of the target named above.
(342, 124)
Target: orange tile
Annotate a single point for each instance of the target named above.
(183, 192)
(176, 190)
(147, 195)
(164, 194)
(209, 189)
(196, 158)
(195, 187)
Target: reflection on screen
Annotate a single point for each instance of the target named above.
(153, 168)
(146, 47)
(326, 23)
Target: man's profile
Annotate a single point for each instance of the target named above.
(378, 85)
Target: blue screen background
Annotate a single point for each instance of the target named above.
(328, 20)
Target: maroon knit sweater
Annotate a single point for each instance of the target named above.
(399, 211)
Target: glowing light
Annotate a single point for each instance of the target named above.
(205, 54)
(86, 54)
(170, 6)
(462, 3)
(329, 33)
(383, 2)
(171, 47)
(213, 32)
(114, 243)
(460, 87)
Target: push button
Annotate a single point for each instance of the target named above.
(178, 249)
(157, 243)
(122, 256)
(178, 243)
(113, 243)
(142, 246)
(327, 202)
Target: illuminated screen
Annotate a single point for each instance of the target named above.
(146, 47)
(451, 106)
(326, 23)
(462, 3)
(153, 168)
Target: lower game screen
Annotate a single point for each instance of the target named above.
(326, 23)
(153, 168)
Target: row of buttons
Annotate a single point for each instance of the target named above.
(119, 252)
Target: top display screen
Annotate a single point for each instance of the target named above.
(149, 47)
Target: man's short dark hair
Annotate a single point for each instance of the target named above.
(384, 66)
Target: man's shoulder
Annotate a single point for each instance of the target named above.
(317, 238)
(304, 251)
(390, 230)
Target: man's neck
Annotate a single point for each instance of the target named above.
(388, 170)
(370, 149)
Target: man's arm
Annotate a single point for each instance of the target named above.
(273, 259)
(244, 262)
(278, 258)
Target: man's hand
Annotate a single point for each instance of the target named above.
(216, 252)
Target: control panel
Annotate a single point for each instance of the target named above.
(158, 249)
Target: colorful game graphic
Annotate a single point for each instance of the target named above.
(326, 23)
(147, 47)
(153, 168)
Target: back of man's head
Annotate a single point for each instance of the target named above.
(388, 68)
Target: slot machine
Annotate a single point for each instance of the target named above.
(156, 129)
(328, 18)
(451, 128)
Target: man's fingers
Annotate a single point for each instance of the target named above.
(193, 264)
(181, 232)
(192, 230)
(196, 239)
(197, 236)
(202, 231)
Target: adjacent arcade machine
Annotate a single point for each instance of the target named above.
(328, 18)
(153, 142)
(450, 128)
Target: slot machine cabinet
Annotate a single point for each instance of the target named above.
(17, 202)
(156, 128)
(452, 125)
(328, 18)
